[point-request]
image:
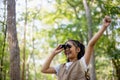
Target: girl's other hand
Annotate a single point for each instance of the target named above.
(58, 49)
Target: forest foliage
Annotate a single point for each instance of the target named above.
(52, 22)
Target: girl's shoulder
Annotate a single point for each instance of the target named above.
(83, 63)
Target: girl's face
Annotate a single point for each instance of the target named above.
(71, 53)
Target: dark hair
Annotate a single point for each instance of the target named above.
(81, 46)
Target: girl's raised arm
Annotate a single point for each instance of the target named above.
(94, 39)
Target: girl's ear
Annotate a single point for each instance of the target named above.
(78, 50)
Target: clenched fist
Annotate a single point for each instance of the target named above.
(107, 21)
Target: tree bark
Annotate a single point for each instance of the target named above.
(24, 46)
(12, 41)
(89, 23)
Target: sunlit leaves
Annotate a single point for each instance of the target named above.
(50, 26)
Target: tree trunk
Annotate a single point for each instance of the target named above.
(12, 41)
(27, 68)
(24, 46)
(89, 22)
(33, 49)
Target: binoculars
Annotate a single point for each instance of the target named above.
(65, 46)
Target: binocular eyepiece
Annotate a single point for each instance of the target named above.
(65, 46)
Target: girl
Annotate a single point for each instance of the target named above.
(78, 57)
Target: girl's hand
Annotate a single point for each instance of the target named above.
(58, 49)
(46, 68)
(107, 21)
